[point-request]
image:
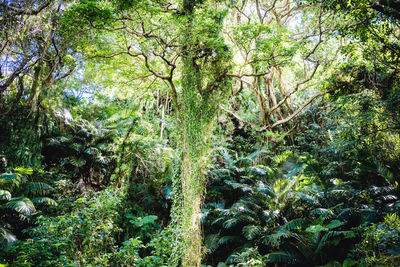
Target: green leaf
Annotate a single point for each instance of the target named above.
(21, 205)
(281, 256)
(149, 219)
(6, 236)
(212, 242)
(349, 263)
(334, 224)
(24, 171)
(5, 195)
(250, 231)
(316, 228)
(137, 223)
(46, 200)
(77, 162)
(38, 188)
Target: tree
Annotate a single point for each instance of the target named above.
(33, 54)
(175, 39)
(282, 51)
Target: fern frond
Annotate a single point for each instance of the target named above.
(254, 155)
(5, 195)
(212, 242)
(308, 199)
(318, 211)
(45, 200)
(243, 187)
(326, 237)
(38, 188)
(221, 173)
(275, 238)
(229, 239)
(230, 222)
(228, 159)
(296, 223)
(11, 178)
(281, 257)
(77, 162)
(347, 213)
(21, 205)
(265, 189)
(251, 231)
(6, 237)
(257, 171)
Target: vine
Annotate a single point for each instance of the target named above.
(204, 83)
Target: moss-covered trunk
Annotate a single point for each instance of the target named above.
(203, 81)
(197, 127)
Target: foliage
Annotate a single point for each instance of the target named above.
(118, 112)
(21, 194)
(380, 244)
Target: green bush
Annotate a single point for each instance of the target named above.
(380, 245)
(77, 237)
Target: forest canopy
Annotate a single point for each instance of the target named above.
(199, 133)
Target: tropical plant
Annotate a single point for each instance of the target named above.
(380, 243)
(21, 194)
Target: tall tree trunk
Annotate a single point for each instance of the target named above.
(203, 84)
(194, 148)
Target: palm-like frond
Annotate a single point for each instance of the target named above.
(274, 239)
(296, 223)
(6, 237)
(281, 257)
(230, 222)
(13, 179)
(38, 188)
(212, 242)
(44, 200)
(228, 159)
(21, 205)
(310, 200)
(229, 239)
(329, 235)
(5, 195)
(243, 187)
(251, 231)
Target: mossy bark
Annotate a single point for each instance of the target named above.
(202, 87)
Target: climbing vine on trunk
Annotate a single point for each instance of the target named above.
(205, 60)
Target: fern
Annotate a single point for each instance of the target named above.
(229, 239)
(45, 200)
(281, 257)
(38, 188)
(251, 231)
(230, 222)
(212, 242)
(21, 205)
(6, 237)
(296, 223)
(5, 195)
(328, 236)
(308, 199)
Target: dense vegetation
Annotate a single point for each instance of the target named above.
(199, 133)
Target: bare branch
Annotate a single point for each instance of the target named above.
(294, 114)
